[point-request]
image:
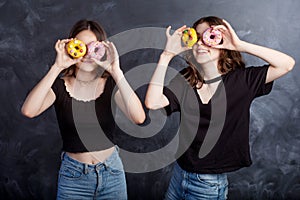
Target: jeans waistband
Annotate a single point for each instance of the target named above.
(109, 162)
(203, 176)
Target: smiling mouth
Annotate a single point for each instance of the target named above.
(86, 60)
(201, 51)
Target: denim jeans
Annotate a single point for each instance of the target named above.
(84, 181)
(188, 186)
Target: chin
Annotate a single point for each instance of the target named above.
(88, 67)
(203, 60)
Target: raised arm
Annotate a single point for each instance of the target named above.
(155, 98)
(41, 96)
(280, 63)
(125, 97)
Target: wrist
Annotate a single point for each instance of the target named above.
(242, 46)
(117, 75)
(56, 68)
(167, 55)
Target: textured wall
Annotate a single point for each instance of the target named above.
(30, 148)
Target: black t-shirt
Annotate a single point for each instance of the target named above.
(214, 137)
(85, 126)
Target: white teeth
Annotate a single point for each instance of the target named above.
(202, 51)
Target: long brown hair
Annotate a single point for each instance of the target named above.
(228, 59)
(82, 25)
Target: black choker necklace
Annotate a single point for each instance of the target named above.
(212, 80)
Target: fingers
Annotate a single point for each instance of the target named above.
(97, 61)
(168, 31)
(108, 44)
(104, 64)
(227, 24)
(107, 49)
(220, 46)
(178, 31)
(221, 28)
(66, 40)
(111, 48)
(56, 45)
(105, 43)
(231, 30)
(181, 29)
(60, 44)
(111, 54)
(77, 60)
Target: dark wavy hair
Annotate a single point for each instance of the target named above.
(228, 59)
(82, 25)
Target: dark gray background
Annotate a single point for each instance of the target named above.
(30, 148)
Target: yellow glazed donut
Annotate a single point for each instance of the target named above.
(189, 37)
(76, 48)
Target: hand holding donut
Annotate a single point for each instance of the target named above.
(212, 37)
(189, 37)
(95, 50)
(63, 60)
(230, 39)
(76, 48)
(111, 63)
(173, 44)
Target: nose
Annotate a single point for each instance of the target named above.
(199, 41)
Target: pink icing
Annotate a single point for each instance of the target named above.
(95, 50)
(212, 37)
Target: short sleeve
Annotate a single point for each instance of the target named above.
(111, 88)
(256, 80)
(174, 92)
(174, 104)
(58, 87)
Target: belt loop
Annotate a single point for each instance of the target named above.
(117, 148)
(62, 155)
(85, 168)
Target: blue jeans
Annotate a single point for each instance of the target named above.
(84, 181)
(192, 186)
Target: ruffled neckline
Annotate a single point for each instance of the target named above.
(70, 93)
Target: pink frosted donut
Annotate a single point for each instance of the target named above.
(95, 50)
(212, 37)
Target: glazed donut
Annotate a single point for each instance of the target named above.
(95, 50)
(189, 37)
(212, 37)
(76, 48)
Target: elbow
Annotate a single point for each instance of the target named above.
(27, 113)
(291, 64)
(150, 104)
(153, 105)
(141, 119)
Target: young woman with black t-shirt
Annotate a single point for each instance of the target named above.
(84, 100)
(213, 95)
